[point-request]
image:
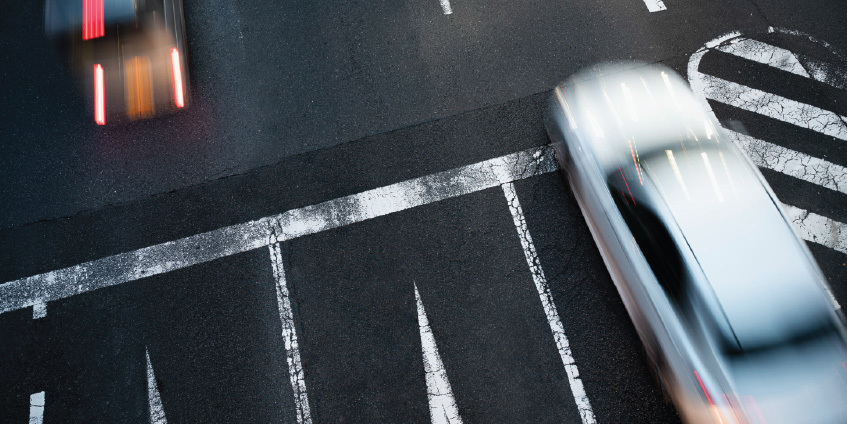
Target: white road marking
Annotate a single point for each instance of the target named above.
(36, 408)
(204, 247)
(810, 226)
(289, 336)
(793, 163)
(442, 403)
(825, 72)
(655, 5)
(39, 310)
(774, 106)
(577, 389)
(445, 6)
(818, 228)
(766, 54)
(154, 399)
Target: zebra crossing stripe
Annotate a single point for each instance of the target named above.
(774, 106)
(793, 163)
(810, 226)
(765, 54)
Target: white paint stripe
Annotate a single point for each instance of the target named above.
(793, 163)
(445, 6)
(774, 106)
(580, 397)
(39, 310)
(204, 247)
(655, 5)
(767, 54)
(36, 408)
(825, 72)
(817, 228)
(289, 336)
(442, 403)
(154, 399)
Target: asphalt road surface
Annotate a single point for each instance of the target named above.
(359, 218)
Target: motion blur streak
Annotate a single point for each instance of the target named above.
(92, 19)
(99, 96)
(177, 71)
(705, 392)
(138, 87)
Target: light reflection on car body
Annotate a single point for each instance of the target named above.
(727, 299)
(128, 55)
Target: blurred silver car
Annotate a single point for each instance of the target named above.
(732, 309)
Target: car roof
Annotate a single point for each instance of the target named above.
(764, 282)
(644, 119)
(647, 106)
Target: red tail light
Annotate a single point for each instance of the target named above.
(92, 19)
(705, 392)
(179, 100)
(99, 96)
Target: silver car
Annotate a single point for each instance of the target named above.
(732, 309)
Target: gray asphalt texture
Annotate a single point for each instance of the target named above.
(298, 103)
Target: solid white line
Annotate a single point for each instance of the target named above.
(154, 399)
(817, 228)
(39, 310)
(36, 408)
(445, 6)
(289, 336)
(798, 165)
(442, 403)
(774, 106)
(204, 247)
(655, 5)
(577, 389)
(767, 54)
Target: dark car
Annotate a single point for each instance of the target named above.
(128, 55)
(730, 305)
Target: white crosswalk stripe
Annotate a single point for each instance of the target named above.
(770, 155)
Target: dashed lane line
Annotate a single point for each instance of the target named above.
(227, 241)
(442, 403)
(36, 408)
(577, 389)
(445, 7)
(655, 5)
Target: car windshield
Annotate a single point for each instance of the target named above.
(761, 278)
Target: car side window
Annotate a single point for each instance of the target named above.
(653, 238)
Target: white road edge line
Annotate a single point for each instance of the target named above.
(154, 399)
(655, 5)
(36, 408)
(577, 389)
(289, 336)
(208, 246)
(445, 6)
(442, 403)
